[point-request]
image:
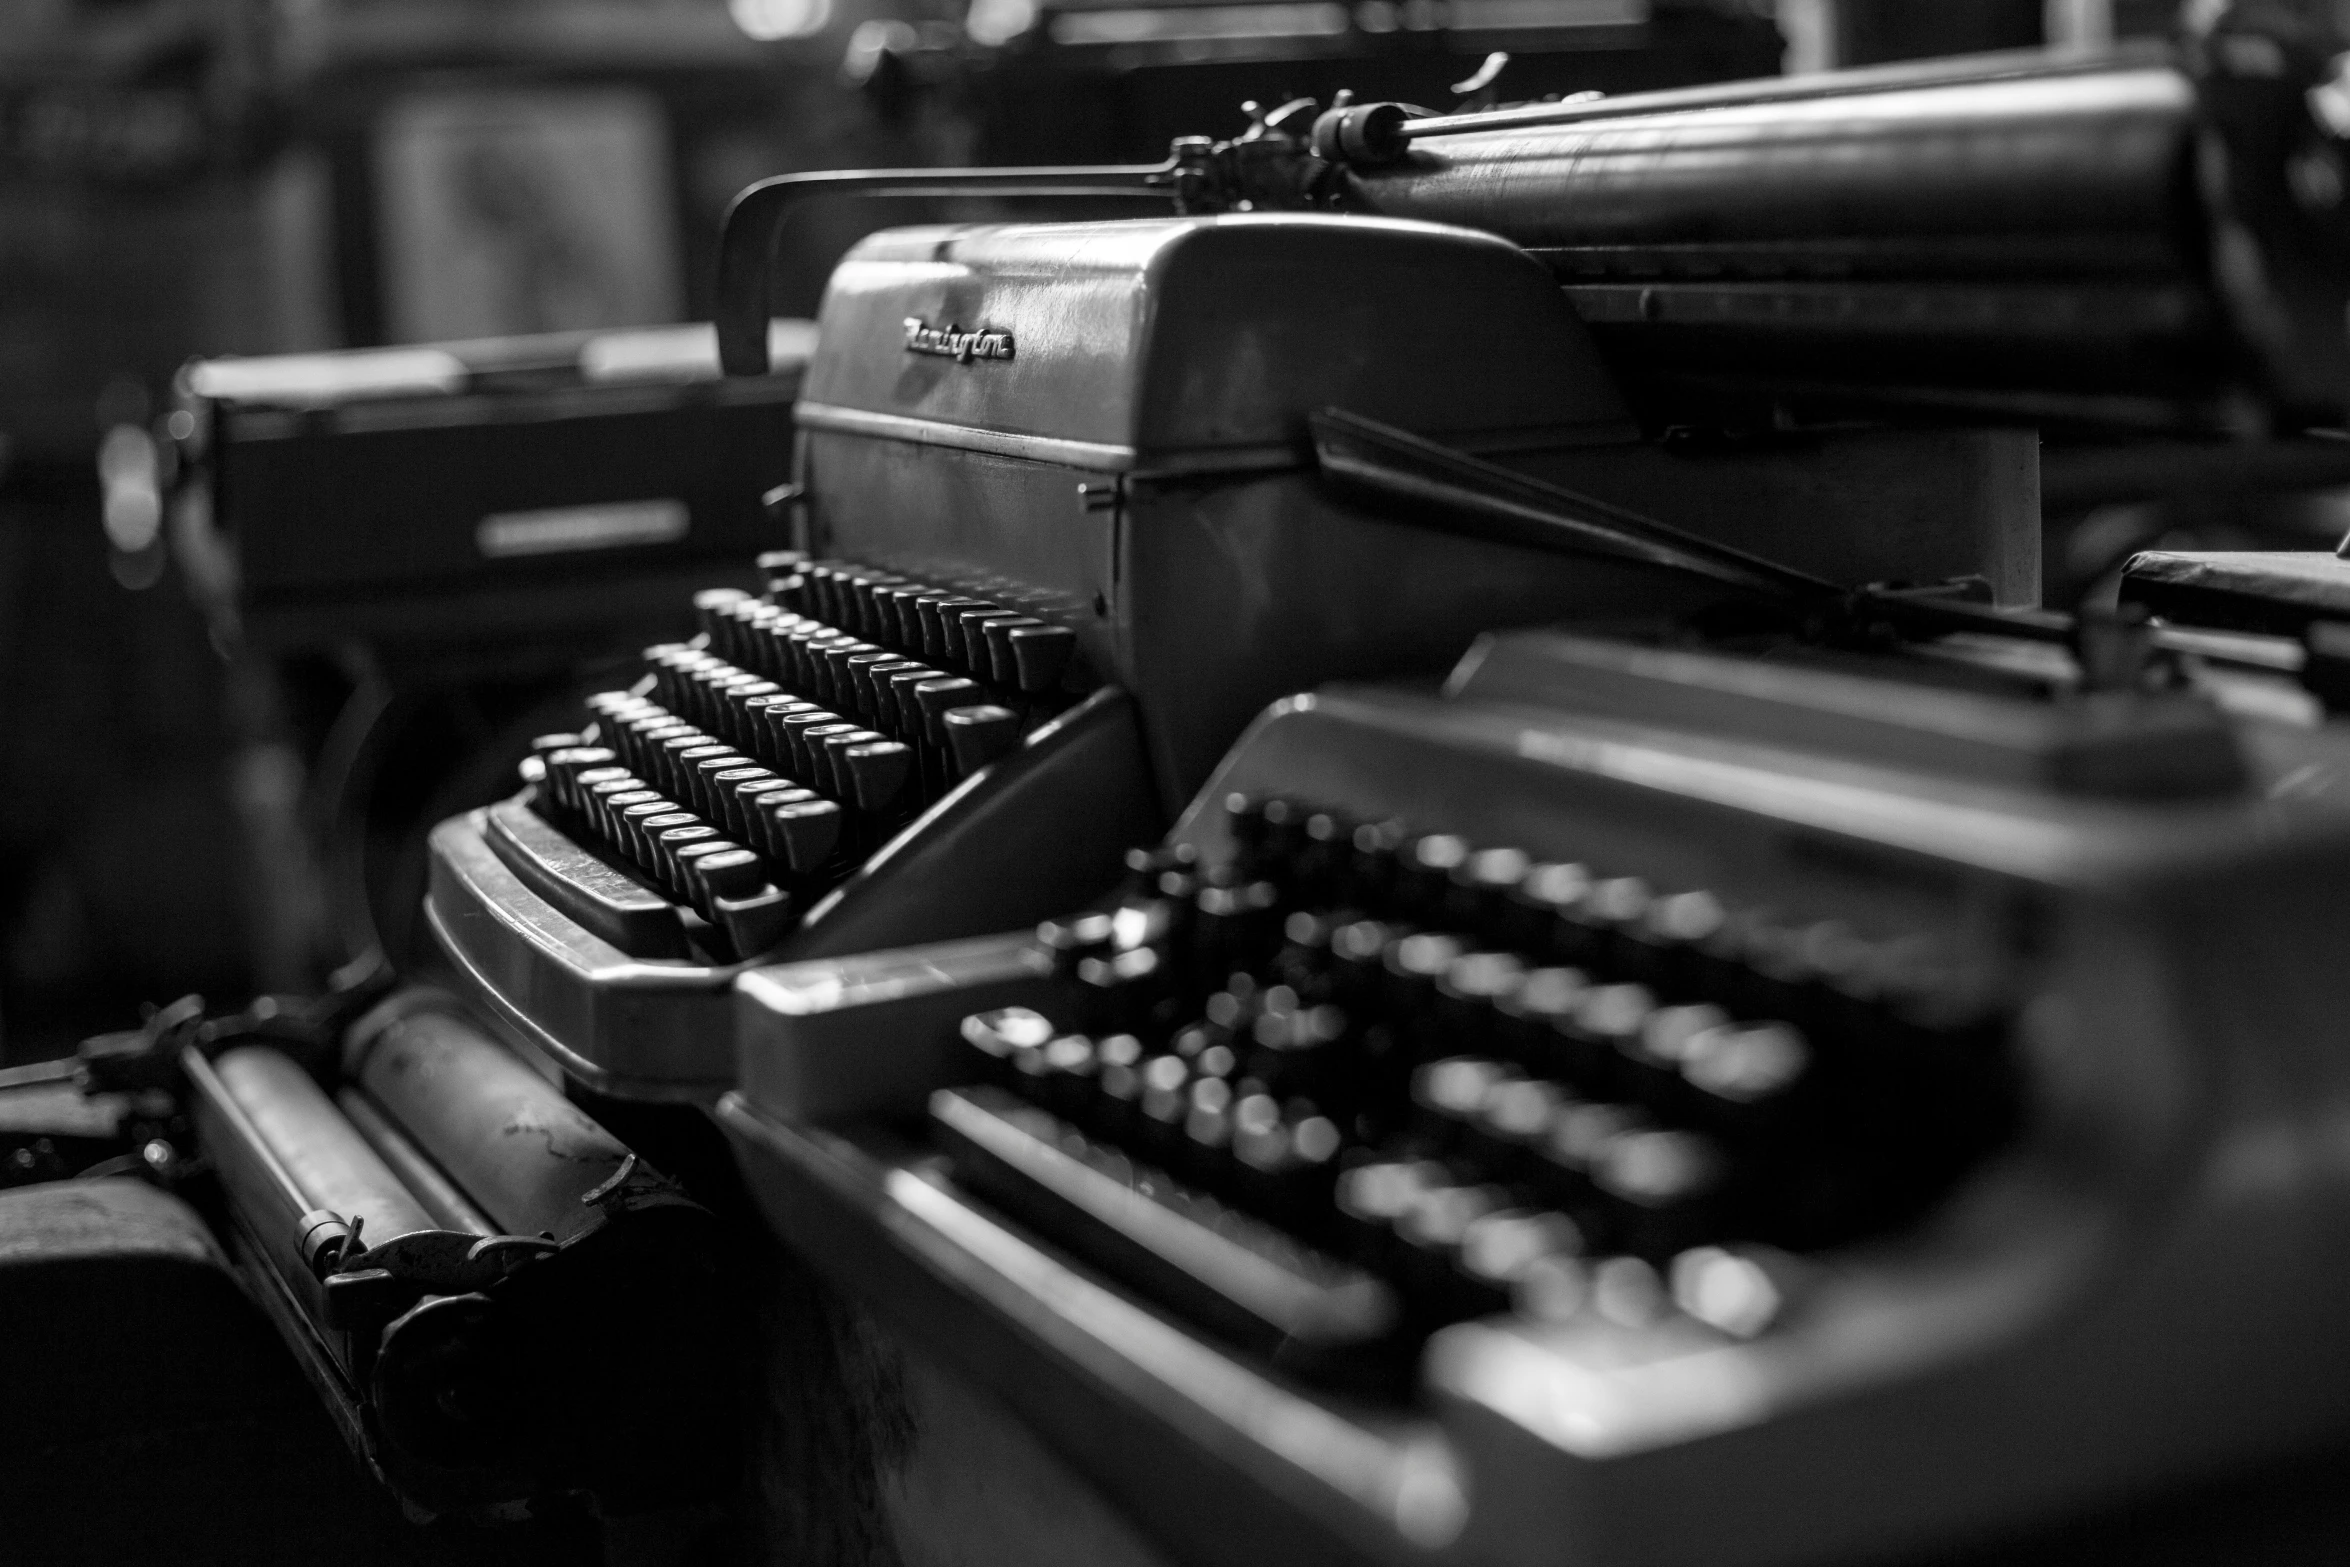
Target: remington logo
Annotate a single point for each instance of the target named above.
(952, 342)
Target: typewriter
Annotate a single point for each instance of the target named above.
(1656, 1099)
(444, 1242)
(1056, 542)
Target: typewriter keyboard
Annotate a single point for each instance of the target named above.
(1363, 1081)
(762, 763)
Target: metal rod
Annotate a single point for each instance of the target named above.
(2007, 65)
(1470, 495)
(755, 226)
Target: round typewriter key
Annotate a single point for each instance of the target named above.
(1734, 1292)
(1669, 945)
(1425, 872)
(1515, 1116)
(1579, 1132)
(1553, 1288)
(1067, 1086)
(902, 682)
(565, 765)
(726, 803)
(583, 784)
(825, 767)
(1747, 1076)
(1607, 1023)
(709, 606)
(1369, 871)
(753, 800)
(1548, 899)
(1499, 1249)
(1667, 1188)
(926, 636)
(1651, 1061)
(1118, 1069)
(1428, 1239)
(863, 672)
(1468, 995)
(1370, 1198)
(1002, 661)
(1072, 939)
(1627, 1292)
(629, 822)
(994, 1036)
(973, 620)
(702, 780)
(802, 759)
(1482, 886)
(1449, 1094)
(1229, 925)
(679, 766)
(690, 855)
(888, 712)
(607, 801)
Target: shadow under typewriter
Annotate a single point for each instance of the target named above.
(1715, 1095)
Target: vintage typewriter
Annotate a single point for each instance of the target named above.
(444, 1241)
(1042, 586)
(505, 490)
(1660, 1098)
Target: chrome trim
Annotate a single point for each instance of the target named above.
(620, 1025)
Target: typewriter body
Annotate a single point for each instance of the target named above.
(1649, 1102)
(443, 1240)
(534, 489)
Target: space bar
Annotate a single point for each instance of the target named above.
(1226, 1269)
(589, 890)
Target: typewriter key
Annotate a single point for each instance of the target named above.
(666, 844)
(995, 641)
(607, 801)
(977, 736)
(726, 802)
(994, 1036)
(940, 697)
(878, 771)
(647, 831)
(1040, 654)
(804, 833)
(1667, 1188)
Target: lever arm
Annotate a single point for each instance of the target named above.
(755, 225)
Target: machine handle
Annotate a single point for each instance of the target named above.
(755, 223)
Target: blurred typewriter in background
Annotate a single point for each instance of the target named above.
(413, 551)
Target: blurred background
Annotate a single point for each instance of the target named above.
(185, 178)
